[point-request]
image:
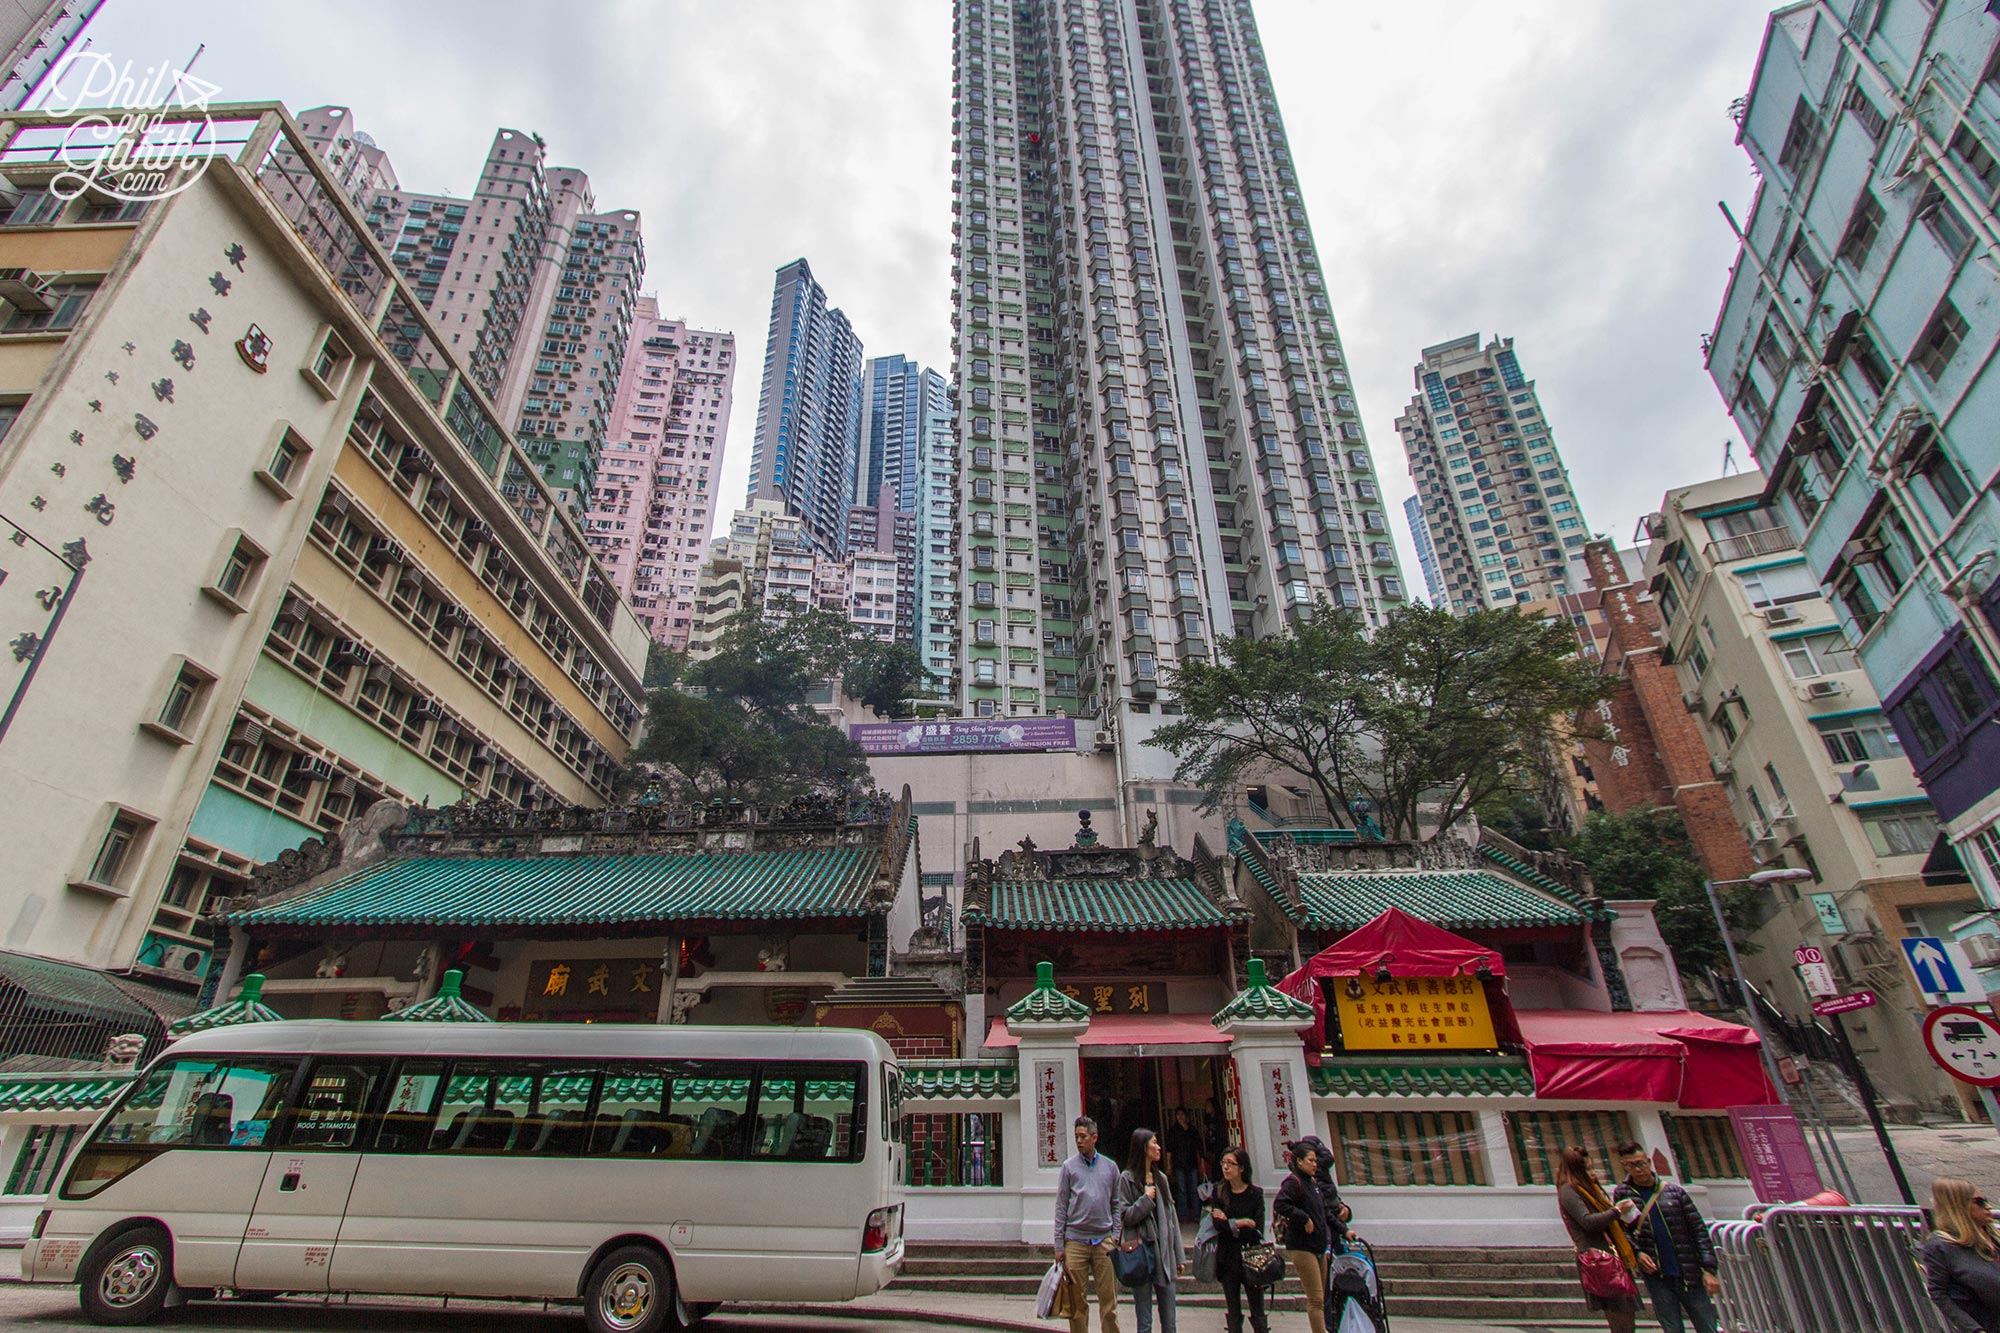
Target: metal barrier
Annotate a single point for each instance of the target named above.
(1825, 1270)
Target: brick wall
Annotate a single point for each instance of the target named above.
(1667, 759)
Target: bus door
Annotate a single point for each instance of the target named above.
(288, 1245)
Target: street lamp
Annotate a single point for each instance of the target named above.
(1777, 875)
(1784, 875)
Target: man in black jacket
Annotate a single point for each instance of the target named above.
(1676, 1257)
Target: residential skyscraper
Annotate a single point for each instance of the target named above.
(1427, 560)
(654, 501)
(35, 35)
(1855, 349)
(1503, 520)
(935, 578)
(806, 450)
(896, 396)
(1160, 442)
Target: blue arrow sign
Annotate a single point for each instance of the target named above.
(1933, 966)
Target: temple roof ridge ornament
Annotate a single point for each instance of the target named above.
(247, 1007)
(447, 1006)
(1046, 1004)
(1261, 1002)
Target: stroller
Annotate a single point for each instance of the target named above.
(1355, 1302)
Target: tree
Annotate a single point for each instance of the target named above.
(664, 665)
(1426, 719)
(1646, 854)
(740, 724)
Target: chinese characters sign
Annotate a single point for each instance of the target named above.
(1427, 1013)
(580, 985)
(966, 735)
(1774, 1152)
(1147, 997)
(1050, 1146)
(1281, 1106)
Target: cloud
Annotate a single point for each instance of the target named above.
(1542, 169)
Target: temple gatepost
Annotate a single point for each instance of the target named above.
(1268, 1071)
(1049, 1026)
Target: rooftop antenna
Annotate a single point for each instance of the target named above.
(1729, 463)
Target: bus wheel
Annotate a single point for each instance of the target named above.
(127, 1281)
(630, 1291)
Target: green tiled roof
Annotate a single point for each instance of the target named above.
(961, 1078)
(60, 1092)
(1428, 1078)
(1260, 1000)
(1453, 899)
(1533, 876)
(447, 1006)
(586, 891)
(1046, 1004)
(247, 1007)
(1091, 904)
(73, 991)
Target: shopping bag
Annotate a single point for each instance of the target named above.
(1071, 1299)
(1207, 1240)
(1045, 1298)
(1356, 1319)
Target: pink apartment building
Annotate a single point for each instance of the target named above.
(653, 505)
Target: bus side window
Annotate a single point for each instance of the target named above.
(809, 1112)
(406, 1119)
(484, 1107)
(330, 1108)
(631, 1116)
(201, 1102)
(712, 1098)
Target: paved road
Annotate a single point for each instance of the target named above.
(1970, 1152)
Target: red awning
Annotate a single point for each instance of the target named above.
(1409, 948)
(1679, 1057)
(1152, 1032)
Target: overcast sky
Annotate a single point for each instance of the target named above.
(1545, 169)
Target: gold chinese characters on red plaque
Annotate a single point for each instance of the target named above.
(582, 985)
(1413, 1014)
(1119, 997)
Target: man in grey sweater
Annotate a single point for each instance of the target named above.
(1087, 1226)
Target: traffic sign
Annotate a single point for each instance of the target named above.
(1943, 973)
(1965, 1043)
(1842, 1004)
(1817, 972)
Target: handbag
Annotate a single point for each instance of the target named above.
(1134, 1267)
(1604, 1274)
(1207, 1246)
(1263, 1265)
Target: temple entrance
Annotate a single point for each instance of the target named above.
(1126, 1093)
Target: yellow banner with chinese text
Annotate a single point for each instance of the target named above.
(1415, 1013)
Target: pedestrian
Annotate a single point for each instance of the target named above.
(1962, 1259)
(1238, 1209)
(1307, 1231)
(1148, 1216)
(1087, 1227)
(1337, 1213)
(1676, 1256)
(1594, 1224)
(1183, 1147)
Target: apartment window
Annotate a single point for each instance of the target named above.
(1944, 222)
(236, 582)
(1771, 354)
(186, 694)
(116, 856)
(1872, 121)
(65, 302)
(38, 208)
(1940, 341)
(1777, 585)
(1864, 224)
(1851, 595)
(1850, 740)
(1818, 655)
(1904, 831)
(1947, 481)
(287, 463)
(1967, 148)
(1802, 257)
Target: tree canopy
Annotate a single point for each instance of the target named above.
(1426, 719)
(741, 723)
(1646, 854)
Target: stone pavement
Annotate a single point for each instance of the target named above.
(1968, 1151)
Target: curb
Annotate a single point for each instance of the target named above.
(890, 1313)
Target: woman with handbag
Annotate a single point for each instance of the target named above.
(1152, 1225)
(1604, 1258)
(1237, 1206)
(1302, 1209)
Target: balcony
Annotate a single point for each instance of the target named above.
(1764, 541)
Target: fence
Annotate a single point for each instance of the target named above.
(1825, 1270)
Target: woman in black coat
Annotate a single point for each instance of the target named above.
(1307, 1231)
(1962, 1258)
(1238, 1209)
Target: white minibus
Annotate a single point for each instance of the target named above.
(649, 1172)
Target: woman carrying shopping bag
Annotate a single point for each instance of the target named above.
(1605, 1261)
(1152, 1223)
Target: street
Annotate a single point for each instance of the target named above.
(1966, 1151)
